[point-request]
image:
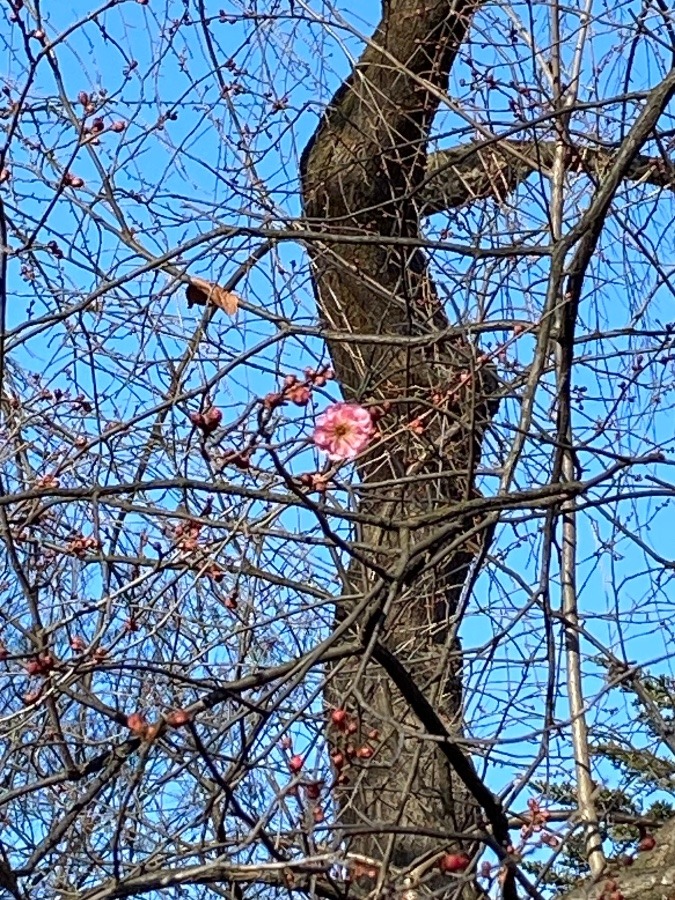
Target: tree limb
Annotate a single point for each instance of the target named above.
(480, 170)
(650, 877)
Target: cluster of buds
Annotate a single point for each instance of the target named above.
(81, 404)
(91, 133)
(345, 754)
(86, 102)
(214, 572)
(240, 459)
(208, 421)
(359, 869)
(40, 665)
(186, 535)
(440, 397)
(314, 481)
(319, 377)
(295, 390)
(78, 645)
(312, 789)
(46, 482)
(343, 721)
(178, 717)
(450, 393)
(51, 396)
(141, 728)
(232, 600)
(79, 545)
(538, 819)
(97, 127)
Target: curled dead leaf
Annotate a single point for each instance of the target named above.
(201, 292)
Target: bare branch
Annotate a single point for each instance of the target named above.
(481, 170)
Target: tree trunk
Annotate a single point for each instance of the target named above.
(361, 176)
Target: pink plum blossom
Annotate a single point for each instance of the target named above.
(344, 430)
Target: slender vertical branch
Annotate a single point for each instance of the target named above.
(564, 323)
(582, 759)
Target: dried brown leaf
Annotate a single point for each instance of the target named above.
(200, 292)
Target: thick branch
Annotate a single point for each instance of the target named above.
(481, 170)
(304, 878)
(650, 877)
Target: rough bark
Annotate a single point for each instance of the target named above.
(651, 876)
(360, 175)
(480, 170)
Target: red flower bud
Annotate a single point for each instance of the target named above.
(300, 395)
(178, 717)
(73, 181)
(136, 722)
(33, 667)
(339, 716)
(295, 764)
(338, 759)
(647, 843)
(453, 862)
(313, 790)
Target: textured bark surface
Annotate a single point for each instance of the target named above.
(650, 877)
(361, 175)
(493, 169)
